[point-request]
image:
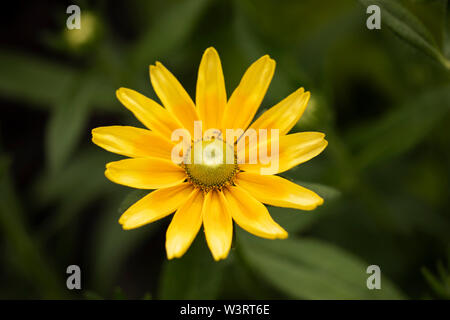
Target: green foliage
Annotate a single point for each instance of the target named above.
(167, 31)
(440, 284)
(382, 97)
(409, 27)
(294, 220)
(402, 128)
(311, 269)
(26, 255)
(68, 122)
(113, 245)
(194, 276)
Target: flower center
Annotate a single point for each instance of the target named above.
(208, 167)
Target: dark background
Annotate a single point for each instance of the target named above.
(381, 96)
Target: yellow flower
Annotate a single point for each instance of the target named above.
(212, 192)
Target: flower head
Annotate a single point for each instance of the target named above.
(223, 169)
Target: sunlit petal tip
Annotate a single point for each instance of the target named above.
(278, 232)
(220, 256)
(107, 173)
(120, 91)
(306, 96)
(158, 67)
(220, 252)
(266, 62)
(320, 201)
(283, 234)
(174, 250)
(93, 133)
(320, 135)
(299, 92)
(211, 50)
(211, 55)
(126, 227)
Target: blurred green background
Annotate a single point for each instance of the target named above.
(381, 96)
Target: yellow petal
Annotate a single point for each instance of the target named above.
(294, 149)
(145, 173)
(285, 114)
(246, 98)
(156, 205)
(252, 215)
(132, 142)
(185, 225)
(217, 224)
(211, 96)
(147, 111)
(173, 96)
(277, 191)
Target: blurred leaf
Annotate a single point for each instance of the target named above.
(194, 276)
(81, 181)
(446, 32)
(131, 198)
(68, 121)
(407, 26)
(167, 32)
(112, 244)
(32, 79)
(400, 129)
(433, 13)
(254, 49)
(440, 289)
(84, 168)
(441, 283)
(294, 220)
(312, 269)
(42, 83)
(242, 283)
(326, 192)
(29, 258)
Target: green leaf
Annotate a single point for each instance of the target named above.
(311, 269)
(28, 257)
(131, 198)
(438, 288)
(294, 220)
(439, 284)
(43, 83)
(68, 121)
(112, 244)
(167, 32)
(253, 48)
(32, 79)
(446, 34)
(194, 276)
(400, 129)
(408, 27)
(81, 181)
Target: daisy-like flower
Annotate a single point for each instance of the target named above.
(211, 192)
